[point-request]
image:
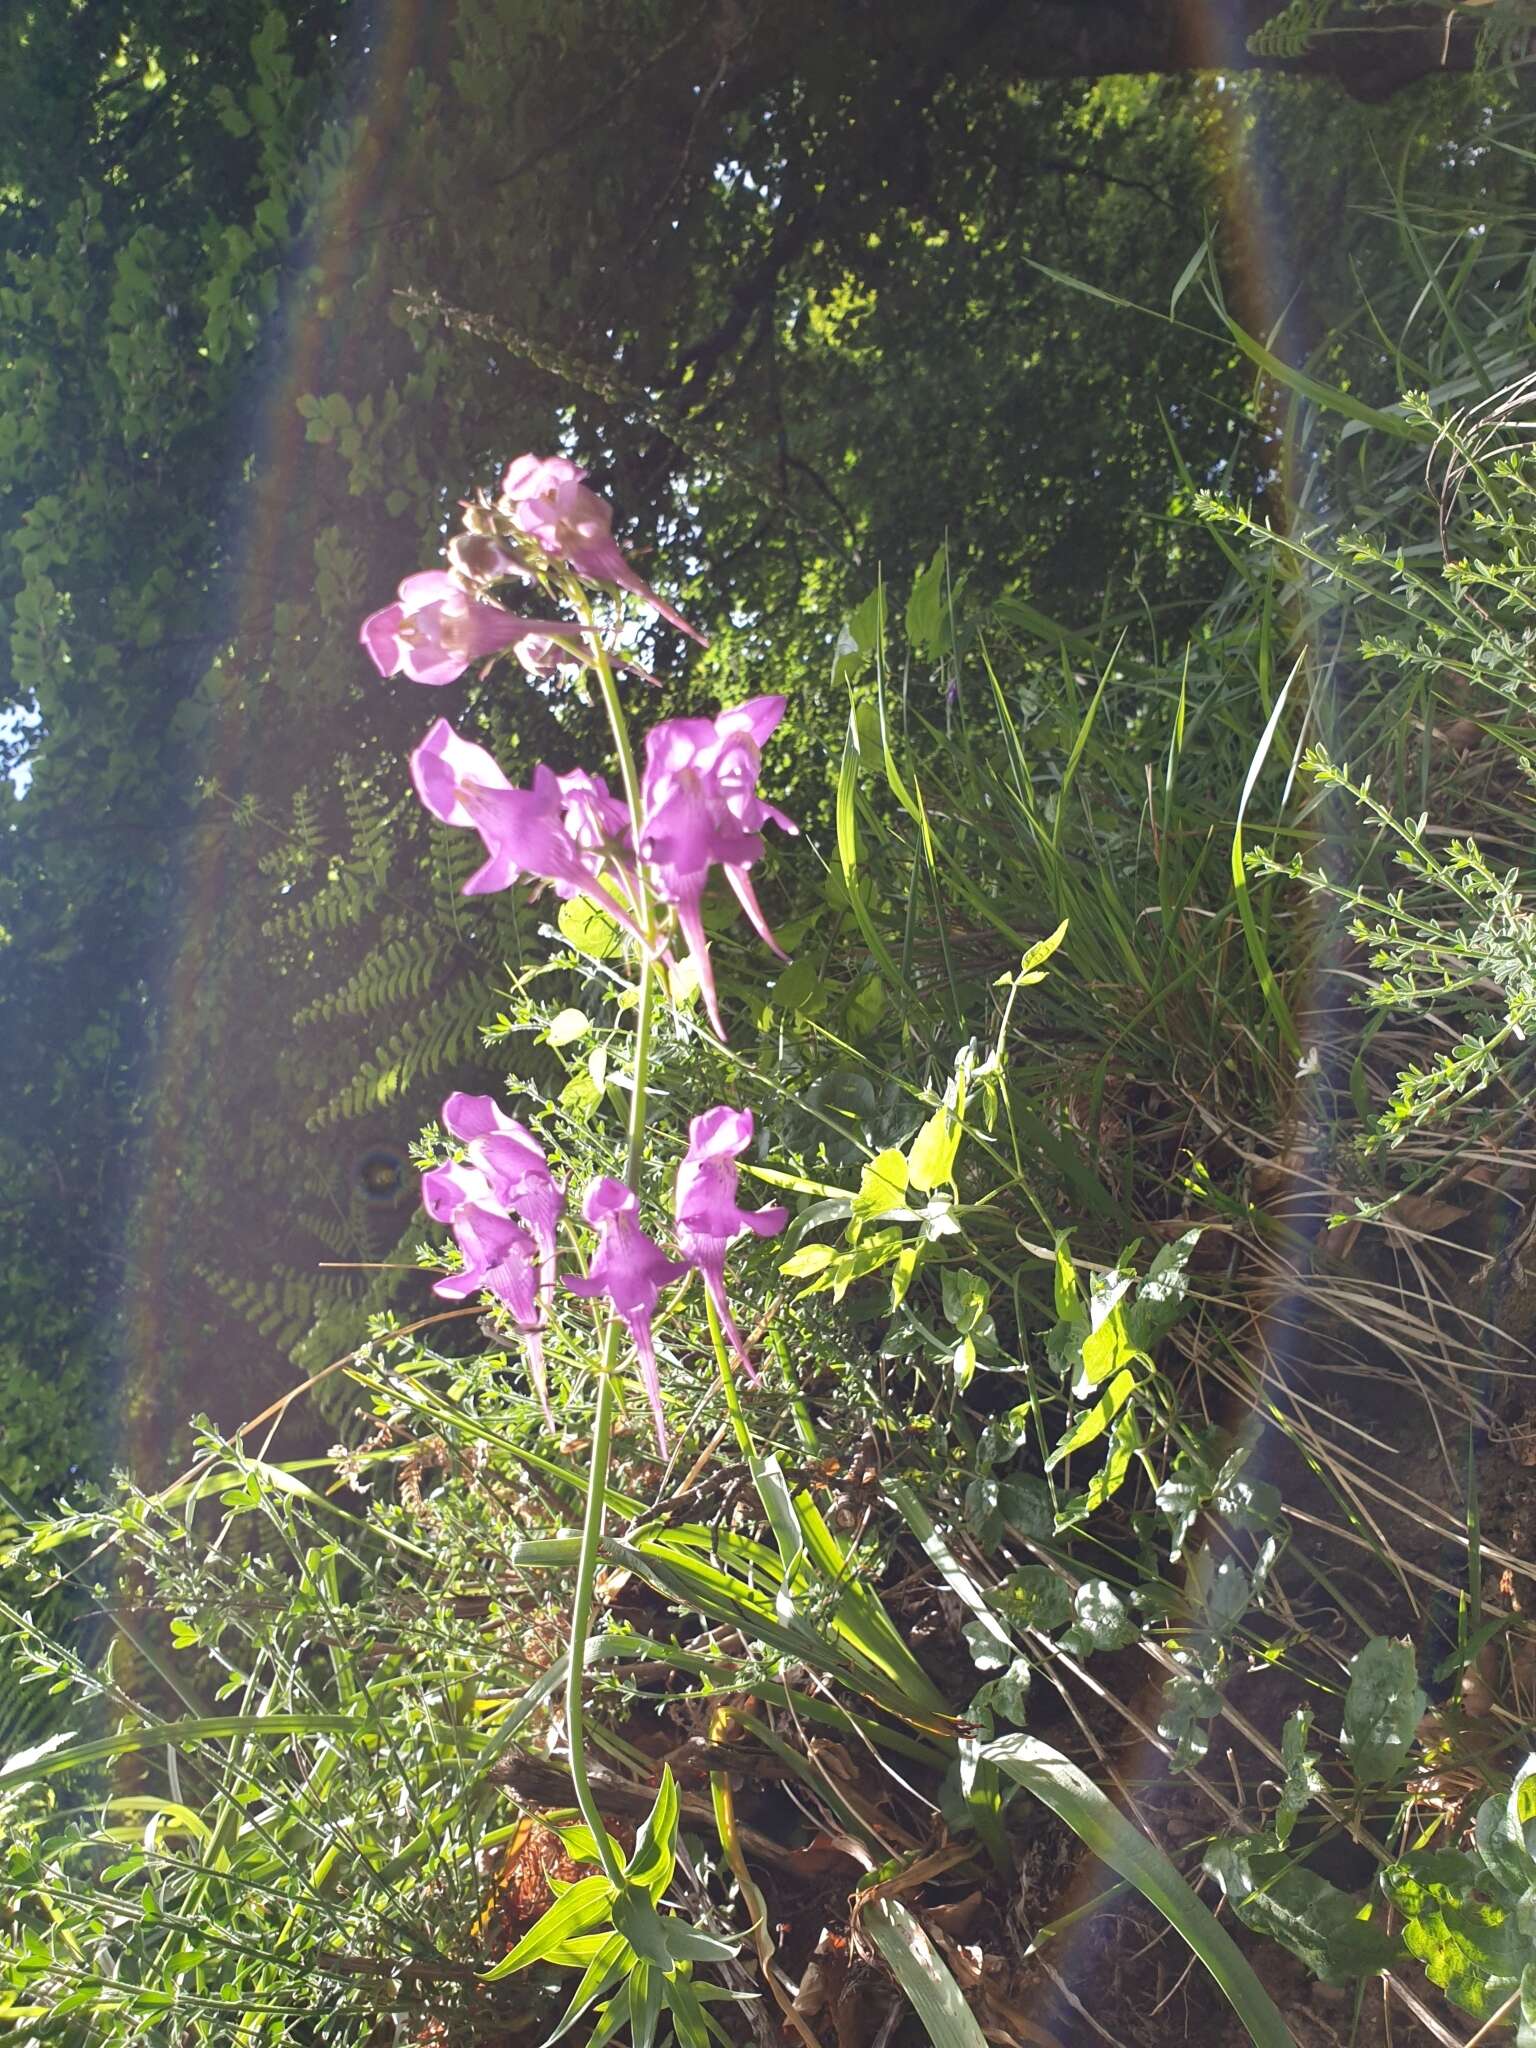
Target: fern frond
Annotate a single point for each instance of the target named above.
(414, 1052)
(399, 970)
(278, 1306)
(337, 1234)
(1290, 32)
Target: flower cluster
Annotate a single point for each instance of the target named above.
(504, 1206)
(543, 521)
(699, 809)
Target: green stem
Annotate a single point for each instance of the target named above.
(629, 774)
(728, 1381)
(602, 1421)
(581, 1610)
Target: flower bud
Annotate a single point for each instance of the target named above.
(479, 518)
(482, 557)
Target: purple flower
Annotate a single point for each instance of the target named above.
(499, 1256)
(523, 830)
(512, 1164)
(547, 499)
(436, 630)
(446, 1188)
(595, 818)
(599, 823)
(631, 1269)
(708, 1213)
(701, 809)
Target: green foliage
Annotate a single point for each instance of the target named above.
(1022, 1080)
(1382, 1709)
(1332, 1933)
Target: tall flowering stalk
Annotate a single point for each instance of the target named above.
(644, 857)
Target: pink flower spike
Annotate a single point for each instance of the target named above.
(547, 498)
(630, 1269)
(506, 1166)
(523, 830)
(514, 1164)
(708, 1213)
(436, 630)
(701, 809)
(499, 1260)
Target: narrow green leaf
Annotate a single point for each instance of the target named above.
(656, 1844)
(587, 1904)
(1074, 1798)
(922, 1974)
(599, 1977)
(1329, 396)
(645, 1982)
(1279, 1009)
(30, 1764)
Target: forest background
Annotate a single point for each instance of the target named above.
(1009, 326)
(240, 392)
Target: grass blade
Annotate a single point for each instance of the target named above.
(922, 1974)
(1074, 1798)
(1279, 1009)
